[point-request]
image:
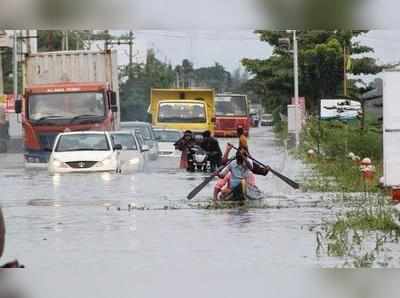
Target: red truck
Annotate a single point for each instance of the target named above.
(66, 91)
(231, 111)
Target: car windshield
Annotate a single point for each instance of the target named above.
(167, 135)
(231, 106)
(127, 141)
(82, 142)
(66, 105)
(177, 112)
(144, 130)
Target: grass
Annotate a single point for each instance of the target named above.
(351, 234)
(336, 171)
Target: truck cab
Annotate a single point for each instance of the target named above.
(232, 111)
(49, 109)
(183, 109)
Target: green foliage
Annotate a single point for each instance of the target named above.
(335, 170)
(52, 40)
(8, 71)
(321, 63)
(215, 77)
(359, 235)
(135, 89)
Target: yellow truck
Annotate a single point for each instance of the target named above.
(183, 109)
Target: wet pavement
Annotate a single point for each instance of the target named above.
(83, 221)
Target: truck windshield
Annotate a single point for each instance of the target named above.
(181, 112)
(82, 142)
(231, 106)
(66, 105)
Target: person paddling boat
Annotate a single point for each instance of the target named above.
(233, 175)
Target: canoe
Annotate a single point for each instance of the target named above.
(243, 192)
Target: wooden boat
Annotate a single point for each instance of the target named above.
(243, 192)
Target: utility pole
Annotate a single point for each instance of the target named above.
(296, 85)
(130, 54)
(66, 41)
(1, 75)
(344, 71)
(15, 65)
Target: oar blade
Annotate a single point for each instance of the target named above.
(198, 188)
(289, 181)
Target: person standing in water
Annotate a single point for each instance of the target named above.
(242, 138)
(184, 144)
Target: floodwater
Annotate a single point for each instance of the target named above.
(83, 221)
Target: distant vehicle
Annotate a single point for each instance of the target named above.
(254, 120)
(340, 109)
(132, 156)
(88, 151)
(231, 111)
(146, 131)
(66, 91)
(183, 109)
(267, 120)
(166, 140)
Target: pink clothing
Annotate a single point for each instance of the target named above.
(184, 160)
(221, 183)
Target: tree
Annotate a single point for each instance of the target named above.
(215, 77)
(321, 63)
(135, 91)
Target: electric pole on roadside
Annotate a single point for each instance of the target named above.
(109, 42)
(130, 53)
(286, 45)
(15, 65)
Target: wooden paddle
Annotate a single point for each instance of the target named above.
(289, 181)
(207, 180)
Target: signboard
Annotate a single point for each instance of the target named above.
(391, 128)
(340, 109)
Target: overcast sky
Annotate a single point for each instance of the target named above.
(205, 48)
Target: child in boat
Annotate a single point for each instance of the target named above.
(234, 173)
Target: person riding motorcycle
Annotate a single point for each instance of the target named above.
(211, 146)
(184, 144)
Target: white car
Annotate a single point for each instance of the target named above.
(166, 139)
(267, 120)
(89, 151)
(146, 130)
(132, 156)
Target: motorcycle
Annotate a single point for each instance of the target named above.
(198, 159)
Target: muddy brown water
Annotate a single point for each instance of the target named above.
(83, 221)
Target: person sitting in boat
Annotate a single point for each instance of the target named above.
(184, 144)
(232, 176)
(211, 146)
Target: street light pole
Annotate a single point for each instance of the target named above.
(15, 65)
(296, 84)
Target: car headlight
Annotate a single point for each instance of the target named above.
(59, 164)
(105, 162)
(134, 161)
(99, 164)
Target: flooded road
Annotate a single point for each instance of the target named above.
(83, 221)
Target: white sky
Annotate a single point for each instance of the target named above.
(204, 48)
